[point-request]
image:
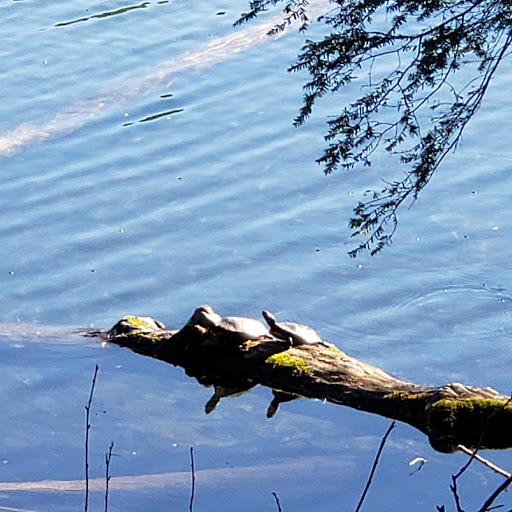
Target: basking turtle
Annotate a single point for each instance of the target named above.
(233, 327)
(296, 333)
(241, 329)
(205, 317)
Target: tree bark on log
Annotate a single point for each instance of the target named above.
(450, 415)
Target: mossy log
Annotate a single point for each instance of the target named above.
(450, 415)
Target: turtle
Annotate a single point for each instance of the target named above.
(296, 333)
(205, 317)
(233, 327)
(241, 329)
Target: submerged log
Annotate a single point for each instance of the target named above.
(450, 415)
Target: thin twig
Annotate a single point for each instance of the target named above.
(193, 479)
(487, 505)
(485, 462)
(279, 509)
(108, 457)
(456, 497)
(87, 428)
(374, 467)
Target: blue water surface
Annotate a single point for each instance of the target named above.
(150, 165)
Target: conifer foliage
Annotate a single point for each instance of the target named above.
(420, 70)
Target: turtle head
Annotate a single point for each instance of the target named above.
(204, 316)
(269, 318)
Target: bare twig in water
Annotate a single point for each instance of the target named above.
(279, 509)
(87, 429)
(193, 479)
(485, 462)
(374, 467)
(108, 457)
(453, 488)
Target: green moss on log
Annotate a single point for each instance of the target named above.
(477, 422)
(405, 395)
(297, 365)
(138, 322)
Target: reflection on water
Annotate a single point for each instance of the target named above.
(106, 14)
(210, 479)
(154, 117)
(131, 87)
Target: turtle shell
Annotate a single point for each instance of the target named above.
(243, 329)
(298, 334)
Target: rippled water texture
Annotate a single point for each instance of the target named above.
(150, 165)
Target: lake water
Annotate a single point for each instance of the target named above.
(150, 165)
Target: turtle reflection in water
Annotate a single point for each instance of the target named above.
(297, 334)
(225, 391)
(235, 328)
(279, 396)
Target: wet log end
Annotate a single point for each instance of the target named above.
(476, 423)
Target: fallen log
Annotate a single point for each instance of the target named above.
(450, 415)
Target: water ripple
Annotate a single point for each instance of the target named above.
(135, 85)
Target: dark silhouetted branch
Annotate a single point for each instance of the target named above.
(277, 502)
(193, 475)
(108, 458)
(374, 466)
(87, 429)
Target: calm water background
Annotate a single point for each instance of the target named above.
(149, 165)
